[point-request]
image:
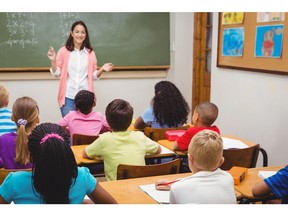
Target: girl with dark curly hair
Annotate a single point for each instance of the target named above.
(168, 108)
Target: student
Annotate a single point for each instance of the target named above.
(84, 120)
(121, 146)
(208, 184)
(168, 108)
(276, 184)
(13, 146)
(76, 65)
(6, 124)
(203, 117)
(55, 177)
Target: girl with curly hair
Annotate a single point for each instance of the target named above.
(168, 108)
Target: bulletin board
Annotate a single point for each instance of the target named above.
(253, 42)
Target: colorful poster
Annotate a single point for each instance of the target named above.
(269, 41)
(270, 16)
(232, 18)
(233, 40)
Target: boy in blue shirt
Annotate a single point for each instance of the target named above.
(277, 184)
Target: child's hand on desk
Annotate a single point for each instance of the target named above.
(162, 185)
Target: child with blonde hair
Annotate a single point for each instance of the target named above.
(208, 184)
(6, 124)
(13, 146)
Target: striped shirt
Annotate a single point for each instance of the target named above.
(278, 184)
(6, 124)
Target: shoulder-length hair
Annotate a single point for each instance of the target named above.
(86, 43)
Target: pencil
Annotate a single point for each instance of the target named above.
(167, 183)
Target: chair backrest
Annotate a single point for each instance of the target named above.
(81, 139)
(159, 133)
(134, 171)
(246, 157)
(5, 172)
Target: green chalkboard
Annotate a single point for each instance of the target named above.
(125, 39)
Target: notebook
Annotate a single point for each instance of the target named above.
(159, 196)
(266, 174)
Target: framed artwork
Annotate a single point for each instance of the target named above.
(259, 43)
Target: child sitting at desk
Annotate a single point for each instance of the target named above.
(84, 120)
(55, 177)
(276, 184)
(13, 145)
(121, 146)
(208, 184)
(203, 117)
(168, 109)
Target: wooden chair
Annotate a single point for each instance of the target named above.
(159, 133)
(246, 157)
(81, 139)
(133, 171)
(5, 172)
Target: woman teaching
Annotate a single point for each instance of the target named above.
(76, 65)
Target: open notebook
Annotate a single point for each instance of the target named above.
(233, 143)
(266, 174)
(159, 196)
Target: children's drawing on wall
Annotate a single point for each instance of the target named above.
(232, 18)
(270, 16)
(233, 40)
(269, 41)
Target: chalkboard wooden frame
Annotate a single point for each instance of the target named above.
(139, 26)
(248, 61)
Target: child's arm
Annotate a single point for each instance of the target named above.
(84, 154)
(139, 123)
(2, 201)
(260, 189)
(101, 196)
(159, 149)
(175, 146)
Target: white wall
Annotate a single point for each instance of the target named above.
(138, 91)
(252, 105)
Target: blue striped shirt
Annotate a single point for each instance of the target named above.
(278, 184)
(6, 124)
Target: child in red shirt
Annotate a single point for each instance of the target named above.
(203, 117)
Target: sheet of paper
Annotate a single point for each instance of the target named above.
(233, 143)
(165, 150)
(157, 195)
(266, 174)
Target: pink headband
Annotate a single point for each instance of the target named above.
(52, 135)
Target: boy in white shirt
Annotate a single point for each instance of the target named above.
(208, 184)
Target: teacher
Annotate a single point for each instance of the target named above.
(76, 65)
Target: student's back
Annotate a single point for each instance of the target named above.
(205, 114)
(168, 108)
(120, 146)
(6, 124)
(208, 184)
(84, 120)
(13, 146)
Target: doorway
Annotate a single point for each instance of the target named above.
(202, 49)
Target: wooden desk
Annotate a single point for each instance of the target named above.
(245, 187)
(168, 144)
(127, 191)
(77, 150)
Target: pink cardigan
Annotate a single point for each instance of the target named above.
(62, 61)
